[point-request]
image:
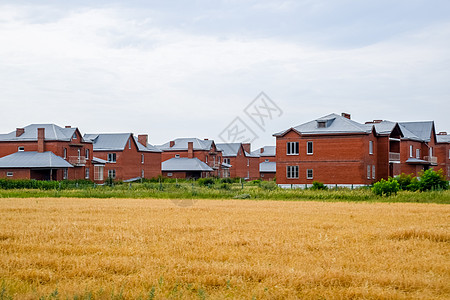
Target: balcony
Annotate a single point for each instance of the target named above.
(77, 161)
(431, 159)
(394, 157)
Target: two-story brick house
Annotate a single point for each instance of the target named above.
(267, 162)
(45, 152)
(336, 150)
(242, 163)
(443, 153)
(204, 151)
(126, 158)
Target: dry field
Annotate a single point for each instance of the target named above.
(153, 249)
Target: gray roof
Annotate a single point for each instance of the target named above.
(334, 124)
(229, 149)
(385, 127)
(147, 148)
(108, 141)
(185, 164)
(443, 138)
(33, 159)
(52, 133)
(269, 166)
(96, 160)
(418, 131)
(182, 144)
(268, 151)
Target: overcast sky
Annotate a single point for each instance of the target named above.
(189, 68)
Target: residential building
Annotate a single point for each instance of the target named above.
(45, 152)
(204, 150)
(267, 162)
(241, 162)
(183, 167)
(336, 150)
(443, 153)
(126, 158)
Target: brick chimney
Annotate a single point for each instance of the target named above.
(41, 138)
(19, 131)
(190, 150)
(206, 139)
(247, 147)
(346, 115)
(68, 126)
(261, 150)
(374, 122)
(442, 133)
(143, 139)
(172, 143)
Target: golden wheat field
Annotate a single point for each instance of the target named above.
(237, 249)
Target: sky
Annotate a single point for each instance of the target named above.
(174, 69)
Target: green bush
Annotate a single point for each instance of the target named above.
(225, 186)
(226, 180)
(206, 181)
(404, 180)
(268, 185)
(318, 186)
(431, 180)
(386, 187)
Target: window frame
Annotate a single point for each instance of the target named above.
(112, 158)
(373, 171)
(370, 147)
(20, 148)
(368, 171)
(418, 153)
(411, 151)
(86, 173)
(292, 172)
(9, 174)
(113, 172)
(308, 143)
(292, 148)
(308, 176)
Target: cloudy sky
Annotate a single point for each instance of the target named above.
(189, 68)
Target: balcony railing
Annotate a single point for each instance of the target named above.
(77, 161)
(431, 159)
(394, 156)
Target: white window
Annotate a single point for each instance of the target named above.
(86, 173)
(410, 151)
(431, 151)
(226, 161)
(21, 148)
(65, 173)
(309, 148)
(177, 155)
(417, 153)
(248, 162)
(111, 157)
(98, 172)
(87, 153)
(129, 144)
(373, 172)
(292, 172)
(226, 173)
(79, 154)
(309, 174)
(266, 160)
(169, 174)
(292, 148)
(9, 174)
(74, 136)
(370, 147)
(206, 158)
(368, 172)
(449, 154)
(112, 174)
(65, 153)
(142, 158)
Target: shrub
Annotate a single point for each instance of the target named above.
(431, 180)
(318, 186)
(225, 186)
(268, 185)
(206, 181)
(226, 180)
(386, 187)
(404, 180)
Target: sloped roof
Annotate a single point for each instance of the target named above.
(418, 131)
(268, 151)
(443, 138)
(52, 133)
(182, 144)
(385, 127)
(33, 159)
(108, 141)
(96, 160)
(335, 124)
(185, 164)
(268, 166)
(147, 148)
(229, 149)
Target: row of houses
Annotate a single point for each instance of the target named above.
(333, 149)
(50, 152)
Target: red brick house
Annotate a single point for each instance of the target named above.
(443, 153)
(204, 150)
(241, 162)
(336, 150)
(45, 152)
(267, 162)
(126, 158)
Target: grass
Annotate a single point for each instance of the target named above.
(67, 248)
(188, 190)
